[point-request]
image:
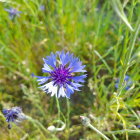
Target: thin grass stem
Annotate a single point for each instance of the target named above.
(126, 64)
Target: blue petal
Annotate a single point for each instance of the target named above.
(42, 7)
(73, 62)
(117, 85)
(61, 92)
(70, 90)
(79, 78)
(68, 58)
(65, 58)
(46, 68)
(76, 65)
(78, 68)
(11, 17)
(126, 78)
(127, 88)
(8, 10)
(129, 83)
(118, 80)
(19, 12)
(5, 111)
(76, 86)
(51, 60)
(41, 79)
(61, 56)
(138, 126)
(50, 88)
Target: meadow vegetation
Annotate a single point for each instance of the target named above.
(104, 34)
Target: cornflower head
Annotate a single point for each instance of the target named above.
(62, 80)
(42, 7)
(127, 82)
(14, 115)
(13, 12)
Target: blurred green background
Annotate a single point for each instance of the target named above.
(96, 31)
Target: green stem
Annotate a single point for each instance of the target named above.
(128, 56)
(96, 130)
(123, 131)
(58, 105)
(38, 123)
(120, 12)
(68, 113)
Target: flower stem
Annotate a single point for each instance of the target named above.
(58, 105)
(96, 130)
(86, 122)
(68, 113)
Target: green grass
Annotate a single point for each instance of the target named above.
(104, 35)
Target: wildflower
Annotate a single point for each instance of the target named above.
(61, 80)
(138, 126)
(128, 82)
(42, 7)
(14, 115)
(13, 12)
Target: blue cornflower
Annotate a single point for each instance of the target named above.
(14, 115)
(13, 12)
(128, 82)
(61, 80)
(42, 7)
(138, 126)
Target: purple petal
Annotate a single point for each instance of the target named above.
(5, 111)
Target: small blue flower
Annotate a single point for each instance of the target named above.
(128, 82)
(13, 12)
(42, 7)
(138, 126)
(14, 115)
(61, 69)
